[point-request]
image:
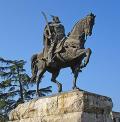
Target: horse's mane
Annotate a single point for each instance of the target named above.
(76, 24)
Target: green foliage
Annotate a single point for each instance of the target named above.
(15, 86)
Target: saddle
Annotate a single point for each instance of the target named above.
(70, 46)
(65, 43)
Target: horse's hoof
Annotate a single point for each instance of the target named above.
(83, 65)
(37, 94)
(75, 88)
(60, 90)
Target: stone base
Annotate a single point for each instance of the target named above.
(116, 116)
(74, 106)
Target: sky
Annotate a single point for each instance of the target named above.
(21, 36)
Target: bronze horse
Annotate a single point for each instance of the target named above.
(73, 54)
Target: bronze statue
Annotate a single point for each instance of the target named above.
(54, 32)
(66, 51)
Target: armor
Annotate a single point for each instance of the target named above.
(57, 33)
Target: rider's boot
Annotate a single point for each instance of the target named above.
(49, 60)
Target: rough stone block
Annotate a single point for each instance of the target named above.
(73, 106)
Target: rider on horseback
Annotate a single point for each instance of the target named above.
(53, 35)
(73, 55)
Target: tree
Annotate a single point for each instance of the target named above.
(15, 86)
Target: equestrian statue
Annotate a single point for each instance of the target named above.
(61, 51)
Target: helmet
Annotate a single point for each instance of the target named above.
(56, 19)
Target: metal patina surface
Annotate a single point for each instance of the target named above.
(61, 51)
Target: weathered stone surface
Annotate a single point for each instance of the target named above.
(74, 106)
(116, 116)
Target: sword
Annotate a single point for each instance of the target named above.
(46, 23)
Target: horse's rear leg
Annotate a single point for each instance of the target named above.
(75, 71)
(53, 79)
(39, 78)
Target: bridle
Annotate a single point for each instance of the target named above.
(85, 24)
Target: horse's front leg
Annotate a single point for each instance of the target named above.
(87, 57)
(88, 53)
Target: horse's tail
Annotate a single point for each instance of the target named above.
(33, 60)
(34, 67)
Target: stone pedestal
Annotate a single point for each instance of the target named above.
(73, 106)
(116, 116)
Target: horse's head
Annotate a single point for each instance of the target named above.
(88, 25)
(83, 28)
